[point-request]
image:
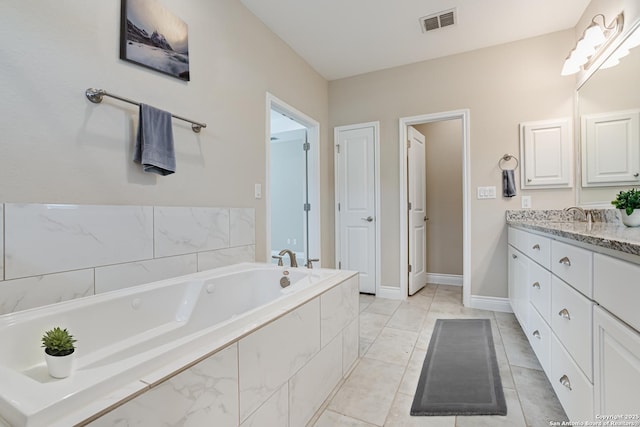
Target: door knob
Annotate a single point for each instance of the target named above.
(636, 174)
(368, 219)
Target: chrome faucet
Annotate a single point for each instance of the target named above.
(292, 257)
(588, 215)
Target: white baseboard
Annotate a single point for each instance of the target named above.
(444, 279)
(491, 303)
(389, 292)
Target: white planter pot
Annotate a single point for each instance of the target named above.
(632, 220)
(59, 366)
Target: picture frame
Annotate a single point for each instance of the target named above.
(154, 37)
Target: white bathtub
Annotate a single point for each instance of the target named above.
(135, 337)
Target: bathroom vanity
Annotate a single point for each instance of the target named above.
(575, 287)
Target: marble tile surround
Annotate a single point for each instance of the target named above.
(45, 247)
(279, 375)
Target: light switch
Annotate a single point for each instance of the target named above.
(487, 192)
(258, 191)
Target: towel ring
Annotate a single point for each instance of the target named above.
(506, 158)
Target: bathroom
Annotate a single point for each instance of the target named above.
(58, 148)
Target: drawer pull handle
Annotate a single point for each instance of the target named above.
(536, 334)
(564, 380)
(564, 313)
(536, 247)
(566, 261)
(536, 285)
(514, 256)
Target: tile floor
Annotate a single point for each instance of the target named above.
(394, 337)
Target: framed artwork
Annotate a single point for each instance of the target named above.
(152, 36)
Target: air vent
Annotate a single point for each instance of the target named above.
(438, 20)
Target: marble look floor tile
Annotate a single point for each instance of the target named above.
(530, 398)
(368, 392)
(534, 387)
(393, 346)
(364, 347)
(400, 415)
(366, 300)
(411, 376)
(371, 324)
(514, 417)
(504, 367)
(518, 349)
(420, 300)
(333, 419)
(408, 317)
(383, 306)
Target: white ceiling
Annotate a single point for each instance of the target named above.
(341, 38)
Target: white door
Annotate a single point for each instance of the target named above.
(417, 184)
(355, 196)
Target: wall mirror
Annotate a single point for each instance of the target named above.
(608, 126)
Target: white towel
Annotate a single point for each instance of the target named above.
(154, 142)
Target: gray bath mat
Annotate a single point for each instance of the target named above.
(460, 373)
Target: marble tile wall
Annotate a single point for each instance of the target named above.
(53, 252)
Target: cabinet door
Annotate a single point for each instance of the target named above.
(518, 290)
(610, 148)
(616, 365)
(546, 147)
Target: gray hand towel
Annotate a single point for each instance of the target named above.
(154, 143)
(508, 183)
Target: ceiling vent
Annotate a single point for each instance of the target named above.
(438, 20)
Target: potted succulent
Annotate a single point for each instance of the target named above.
(58, 351)
(629, 204)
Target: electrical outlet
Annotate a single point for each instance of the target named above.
(258, 191)
(526, 202)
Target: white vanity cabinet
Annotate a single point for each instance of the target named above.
(578, 306)
(557, 280)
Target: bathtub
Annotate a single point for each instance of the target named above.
(132, 340)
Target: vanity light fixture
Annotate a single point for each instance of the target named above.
(595, 39)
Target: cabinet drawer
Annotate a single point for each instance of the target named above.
(540, 290)
(574, 390)
(616, 376)
(573, 265)
(539, 335)
(539, 249)
(517, 238)
(571, 321)
(536, 247)
(616, 287)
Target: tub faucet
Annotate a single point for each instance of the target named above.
(292, 257)
(588, 215)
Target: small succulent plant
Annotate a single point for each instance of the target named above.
(627, 200)
(58, 342)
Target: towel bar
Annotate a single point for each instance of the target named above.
(96, 95)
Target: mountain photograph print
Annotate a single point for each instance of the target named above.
(155, 38)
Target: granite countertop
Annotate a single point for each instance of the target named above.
(606, 231)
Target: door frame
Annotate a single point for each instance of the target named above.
(464, 116)
(313, 137)
(376, 173)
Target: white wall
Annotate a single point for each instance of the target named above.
(502, 86)
(57, 147)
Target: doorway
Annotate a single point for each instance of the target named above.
(405, 255)
(292, 183)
